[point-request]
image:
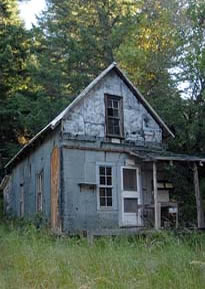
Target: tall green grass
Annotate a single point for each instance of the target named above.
(35, 259)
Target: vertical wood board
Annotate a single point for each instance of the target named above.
(55, 168)
(157, 205)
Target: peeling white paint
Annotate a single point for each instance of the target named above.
(88, 116)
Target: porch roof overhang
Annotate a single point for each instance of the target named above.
(166, 156)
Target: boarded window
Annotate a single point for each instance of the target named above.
(39, 192)
(129, 179)
(105, 186)
(130, 205)
(114, 115)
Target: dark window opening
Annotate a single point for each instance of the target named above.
(129, 180)
(114, 115)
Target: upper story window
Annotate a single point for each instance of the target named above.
(114, 115)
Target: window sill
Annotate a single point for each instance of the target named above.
(104, 209)
(115, 136)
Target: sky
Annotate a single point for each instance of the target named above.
(29, 10)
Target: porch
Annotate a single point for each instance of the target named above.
(163, 210)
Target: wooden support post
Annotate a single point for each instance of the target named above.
(199, 206)
(157, 207)
(177, 217)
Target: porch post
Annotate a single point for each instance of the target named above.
(157, 207)
(199, 206)
(177, 217)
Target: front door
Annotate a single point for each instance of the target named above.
(131, 197)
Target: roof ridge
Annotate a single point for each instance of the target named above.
(54, 123)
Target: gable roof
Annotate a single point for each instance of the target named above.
(56, 121)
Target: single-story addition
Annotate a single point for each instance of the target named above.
(98, 167)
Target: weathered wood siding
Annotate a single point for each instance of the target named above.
(81, 211)
(88, 117)
(24, 174)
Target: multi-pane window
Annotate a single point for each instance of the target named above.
(129, 179)
(105, 186)
(39, 192)
(114, 115)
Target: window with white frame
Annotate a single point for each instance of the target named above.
(129, 179)
(105, 186)
(39, 192)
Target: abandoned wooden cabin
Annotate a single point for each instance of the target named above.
(99, 165)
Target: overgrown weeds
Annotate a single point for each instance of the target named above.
(35, 258)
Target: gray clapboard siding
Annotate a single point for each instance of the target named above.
(88, 116)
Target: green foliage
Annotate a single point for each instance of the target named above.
(76, 40)
(24, 106)
(191, 61)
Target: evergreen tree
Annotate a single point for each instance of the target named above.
(14, 48)
(77, 39)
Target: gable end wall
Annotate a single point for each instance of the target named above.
(87, 118)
